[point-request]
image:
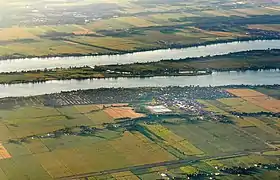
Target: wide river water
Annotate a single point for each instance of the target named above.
(269, 77)
(147, 56)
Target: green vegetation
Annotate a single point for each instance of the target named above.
(39, 30)
(185, 67)
(81, 138)
(240, 105)
(209, 133)
(273, 92)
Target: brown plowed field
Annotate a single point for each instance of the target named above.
(257, 98)
(4, 153)
(244, 92)
(122, 112)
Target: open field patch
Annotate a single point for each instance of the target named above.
(70, 142)
(109, 24)
(28, 112)
(68, 110)
(257, 11)
(122, 112)
(140, 150)
(27, 127)
(168, 17)
(54, 166)
(36, 146)
(208, 106)
(15, 33)
(257, 98)
(87, 108)
(265, 102)
(47, 47)
(23, 168)
(241, 105)
(216, 138)
(266, 27)
(272, 92)
(189, 170)
(174, 140)
(262, 134)
(244, 92)
(83, 31)
(5, 132)
(272, 153)
(135, 21)
(271, 122)
(243, 161)
(93, 158)
(74, 118)
(225, 13)
(219, 33)
(4, 154)
(113, 43)
(99, 117)
(243, 122)
(262, 125)
(126, 175)
(86, 156)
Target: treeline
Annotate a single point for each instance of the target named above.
(256, 114)
(238, 170)
(221, 22)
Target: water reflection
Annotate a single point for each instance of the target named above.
(216, 79)
(147, 56)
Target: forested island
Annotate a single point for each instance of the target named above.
(241, 61)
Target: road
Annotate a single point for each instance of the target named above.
(166, 163)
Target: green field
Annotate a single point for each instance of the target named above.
(209, 133)
(66, 141)
(39, 29)
(241, 105)
(217, 139)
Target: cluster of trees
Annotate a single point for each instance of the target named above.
(256, 114)
(219, 23)
(239, 170)
(249, 170)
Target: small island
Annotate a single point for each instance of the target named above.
(240, 61)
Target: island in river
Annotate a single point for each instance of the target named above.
(240, 61)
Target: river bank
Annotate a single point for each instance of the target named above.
(123, 52)
(215, 79)
(241, 61)
(139, 57)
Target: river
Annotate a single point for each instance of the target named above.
(146, 56)
(216, 79)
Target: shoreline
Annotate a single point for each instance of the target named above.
(137, 77)
(239, 62)
(100, 78)
(236, 86)
(207, 43)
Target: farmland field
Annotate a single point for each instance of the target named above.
(230, 132)
(273, 92)
(241, 105)
(117, 139)
(48, 28)
(124, 112)
(258, 99)
(218, 139)
(177, 142)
